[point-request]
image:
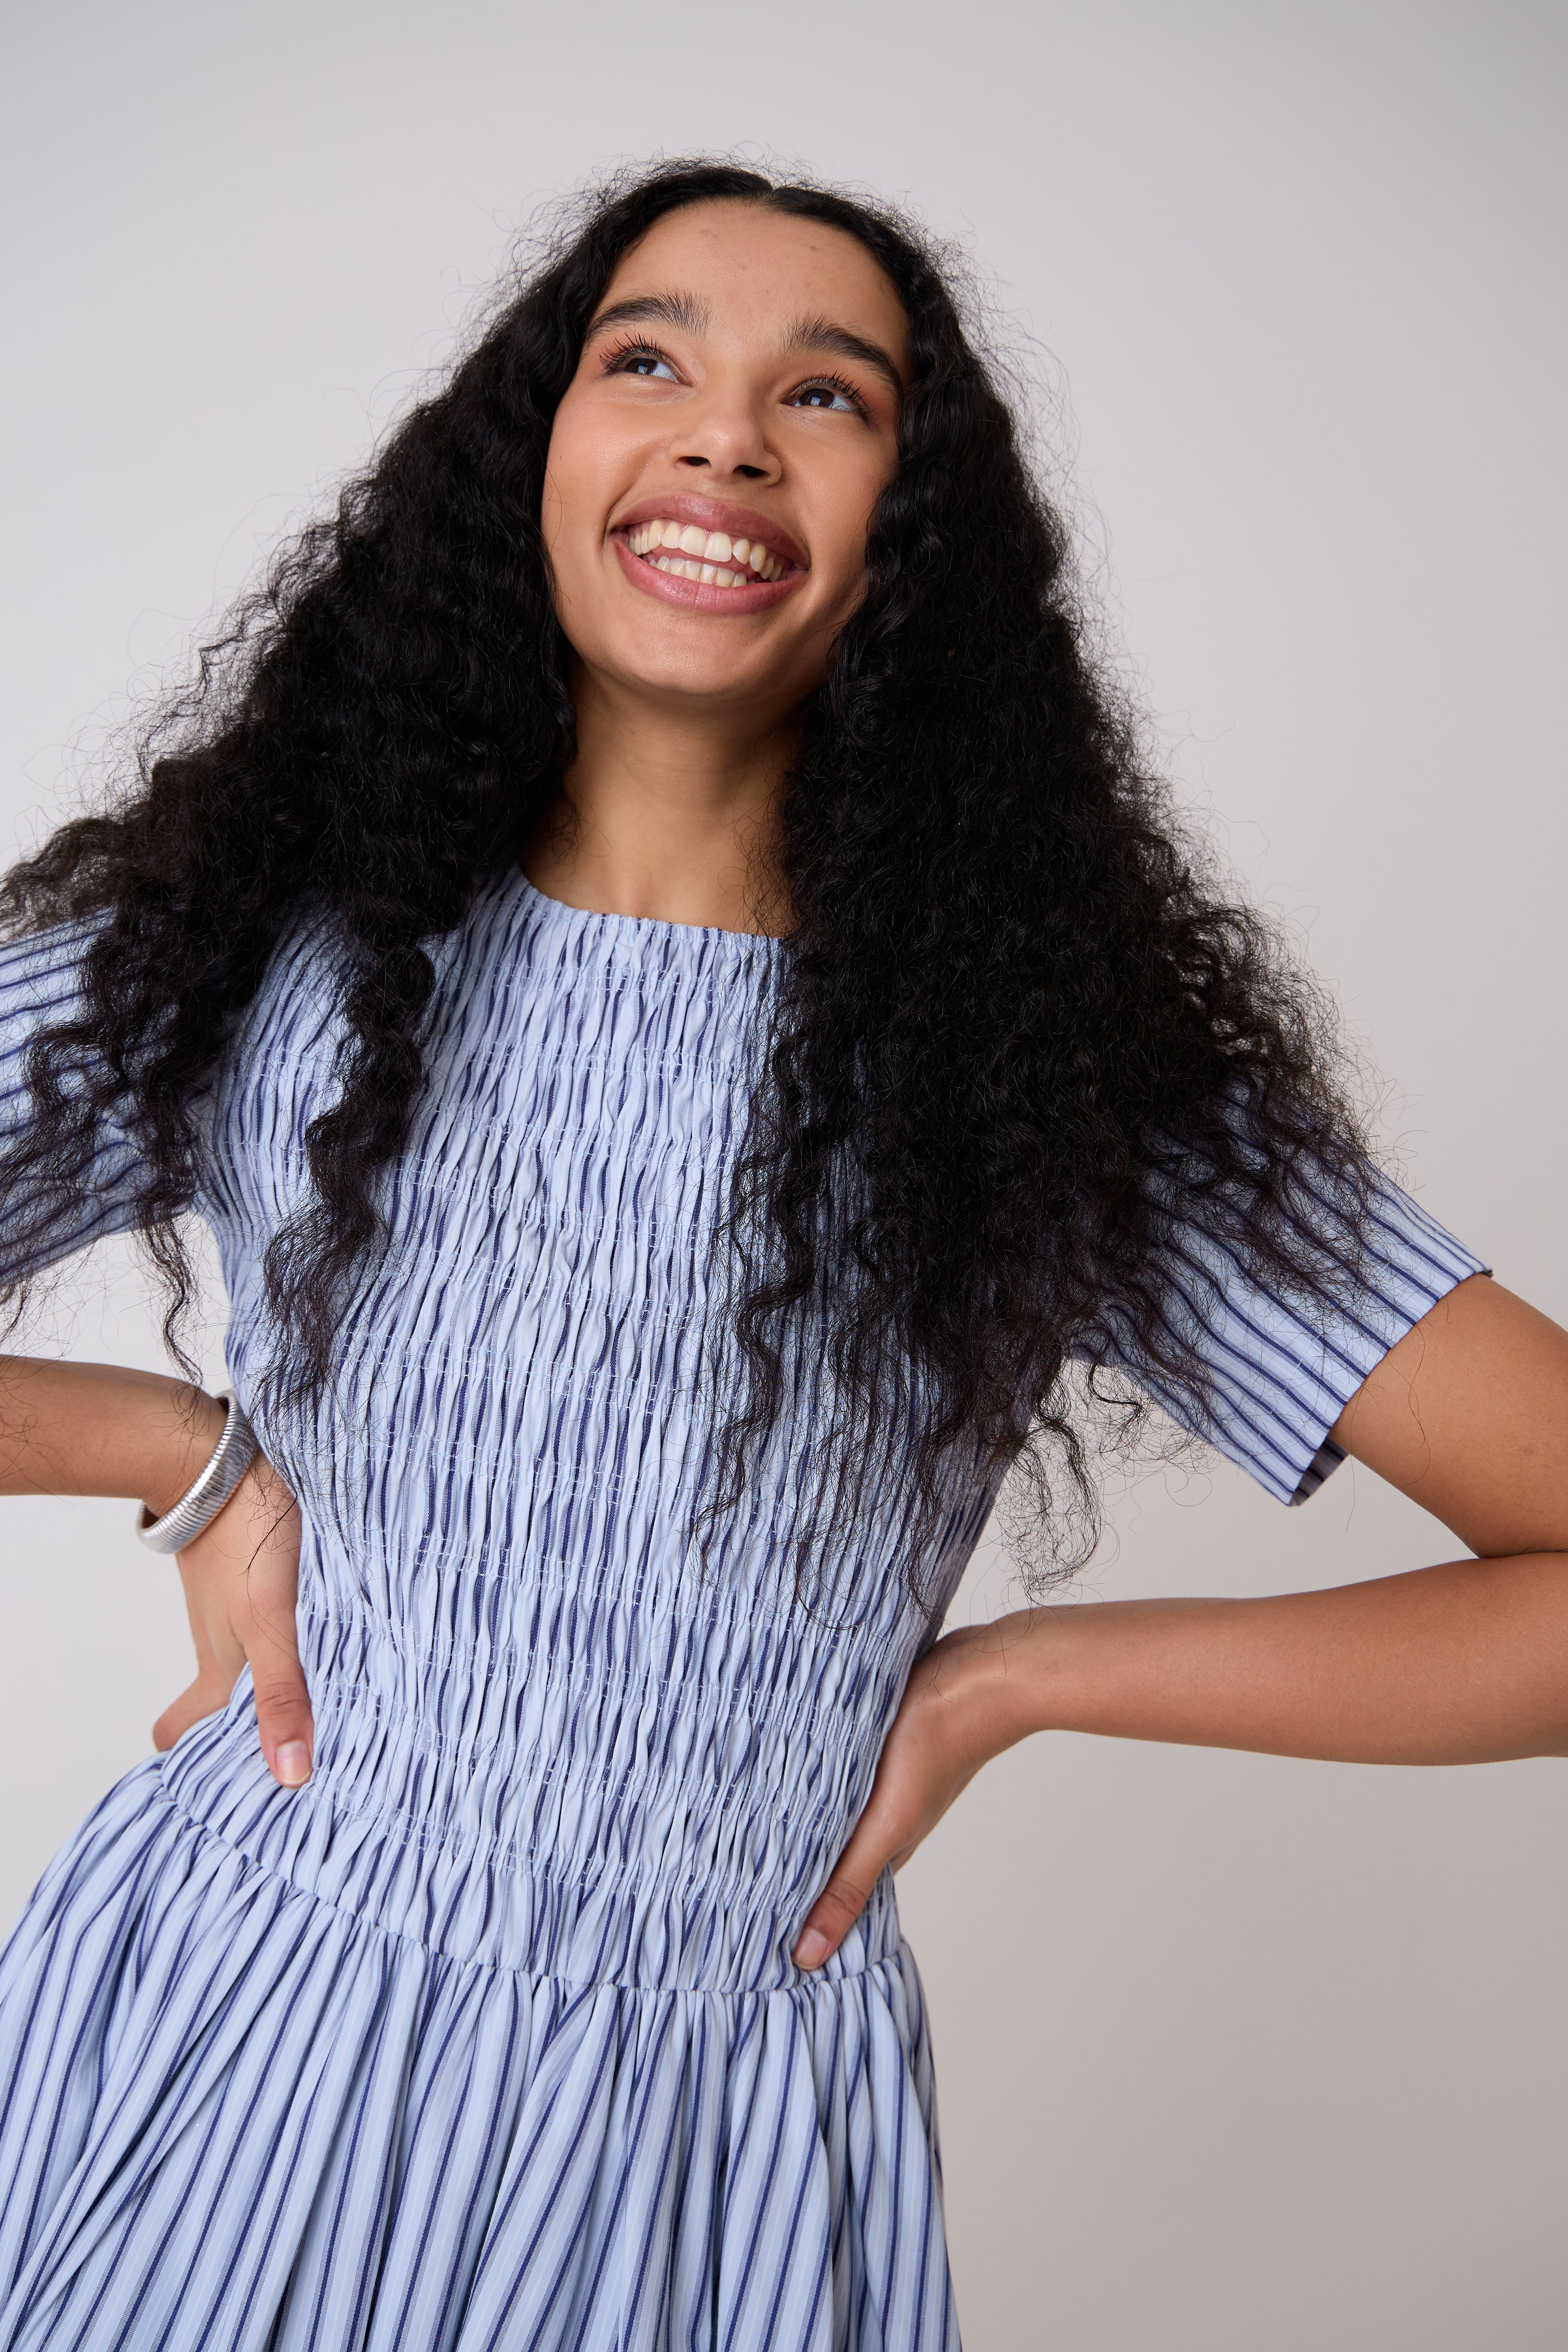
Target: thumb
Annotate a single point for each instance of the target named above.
(282, 1702)
(846, 1894)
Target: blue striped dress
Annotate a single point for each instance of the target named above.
(490, 2037)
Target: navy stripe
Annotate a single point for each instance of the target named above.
(491, 2038)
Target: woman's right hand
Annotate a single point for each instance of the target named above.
(241, 1577)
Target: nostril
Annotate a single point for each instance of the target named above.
(692, 461)
(753, 473)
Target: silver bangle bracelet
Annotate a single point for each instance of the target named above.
(200, 1504)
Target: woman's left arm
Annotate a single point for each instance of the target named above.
(1462, 1663)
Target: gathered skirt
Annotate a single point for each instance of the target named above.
(238, 2117)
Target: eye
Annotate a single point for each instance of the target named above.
(639, 359)
(827, 392)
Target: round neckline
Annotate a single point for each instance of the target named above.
(646, 927)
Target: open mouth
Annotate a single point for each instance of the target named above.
(708, 556)
(712, 558)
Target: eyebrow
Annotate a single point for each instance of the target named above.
(691, 316)
(822, 335)
(682, 310)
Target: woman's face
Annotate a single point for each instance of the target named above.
(733, 416)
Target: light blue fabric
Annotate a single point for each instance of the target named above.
(490, 2037)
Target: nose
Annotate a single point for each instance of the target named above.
(723, 435)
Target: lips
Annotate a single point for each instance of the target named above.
(716, 514)
(709, 555)
(673, 546)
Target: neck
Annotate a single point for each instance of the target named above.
(667, 812)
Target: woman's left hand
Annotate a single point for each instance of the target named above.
(951, 1720)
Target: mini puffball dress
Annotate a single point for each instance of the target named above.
(489, 2039)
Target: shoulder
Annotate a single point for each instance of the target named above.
(40, 972)
(298, 1003)
(292, 1035)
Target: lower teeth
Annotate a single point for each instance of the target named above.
(683, 568)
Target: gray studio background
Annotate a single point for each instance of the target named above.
(1235, 2054)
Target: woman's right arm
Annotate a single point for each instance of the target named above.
(96, 1429)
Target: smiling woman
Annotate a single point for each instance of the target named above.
(698, 432)
(696, 1035)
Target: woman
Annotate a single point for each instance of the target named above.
(653, 954)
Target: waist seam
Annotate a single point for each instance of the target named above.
(801, 1982)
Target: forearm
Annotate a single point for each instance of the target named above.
(98, 1429)
(1463, 1664)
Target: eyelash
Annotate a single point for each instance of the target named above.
(636, 348)
(835, 384)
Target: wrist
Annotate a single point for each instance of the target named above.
(1024, 1673)
(193, 1422)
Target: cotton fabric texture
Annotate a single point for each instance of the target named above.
(489, 2040)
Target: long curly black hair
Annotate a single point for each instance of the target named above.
(1022, 1035)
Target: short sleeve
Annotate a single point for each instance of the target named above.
(1282, 1370)
(39, 981)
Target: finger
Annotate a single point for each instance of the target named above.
(282, 1702)
(203, 1697)
(220, 1653)
(846, 1894)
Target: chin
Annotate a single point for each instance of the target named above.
(699, 682)
(701, 672)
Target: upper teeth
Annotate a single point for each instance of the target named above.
(712, 550)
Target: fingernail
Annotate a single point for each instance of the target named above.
(810, 1949)
(293, 1766)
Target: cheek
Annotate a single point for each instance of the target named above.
(840, 547)
(576, 473)
(844, 501)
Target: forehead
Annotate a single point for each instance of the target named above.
(756, 271)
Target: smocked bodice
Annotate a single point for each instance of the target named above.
(551, 1733)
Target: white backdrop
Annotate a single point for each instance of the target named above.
(1235, 2054)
